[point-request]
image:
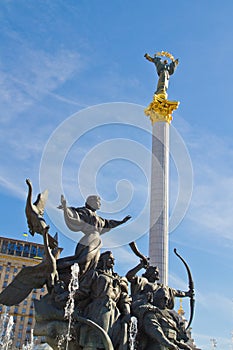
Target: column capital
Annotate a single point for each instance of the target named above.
(160, 109)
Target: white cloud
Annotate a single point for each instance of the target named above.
(211, 204)
(12, 187)
(36, 74)
(24, 127)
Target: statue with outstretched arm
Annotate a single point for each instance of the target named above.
(164, 71)
(86, 220)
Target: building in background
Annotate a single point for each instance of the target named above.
(14, 255)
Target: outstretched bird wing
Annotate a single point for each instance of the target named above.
(25, 281)
(34, 212)
(41, 201)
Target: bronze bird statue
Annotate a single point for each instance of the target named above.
(34, 213)
(32, 277)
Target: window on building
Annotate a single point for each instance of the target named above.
(6, 277)
(4, 284)
(22, 318)
(8, 268)
(15, 269)
(16, 310)
(30, 320)
(17, 344)
(0, 267)
(4, 247)
(33, 251)
(23, 310)
(19, 249)
(25, 302)
(20, 335)
(21, 327)
(40, 252)
(26, 250)
(11, 248)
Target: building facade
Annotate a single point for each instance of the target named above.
(15, 255)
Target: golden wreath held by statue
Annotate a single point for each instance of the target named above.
(166, 54)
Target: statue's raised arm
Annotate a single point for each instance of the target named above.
(71, 216)
(86, 220)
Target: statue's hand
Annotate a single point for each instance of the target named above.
(128, 217)
(146, 54)
(144, 263)
(177, 61)
(63, 203)
(189, 294)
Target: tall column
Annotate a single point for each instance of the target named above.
(159, 201)
(160, 113)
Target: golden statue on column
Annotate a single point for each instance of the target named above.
(160, 109)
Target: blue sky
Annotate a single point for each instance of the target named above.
(59, 58)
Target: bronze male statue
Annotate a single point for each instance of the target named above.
(109, 306)
(159, 327)
(148, 283)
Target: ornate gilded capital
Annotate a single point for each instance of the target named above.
(160, 109)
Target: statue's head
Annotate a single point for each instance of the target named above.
(165, 61)
(94, 202)
(152, 273)
(161, 298)
(106, 260)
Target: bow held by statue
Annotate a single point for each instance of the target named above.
(191, 289)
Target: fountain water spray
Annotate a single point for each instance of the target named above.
(133, 330)
(2, 326)
(30, 344)
(69, 308)
(6, 331)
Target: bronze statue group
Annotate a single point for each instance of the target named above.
(103, 303)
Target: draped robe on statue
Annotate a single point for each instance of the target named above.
(88, 248)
